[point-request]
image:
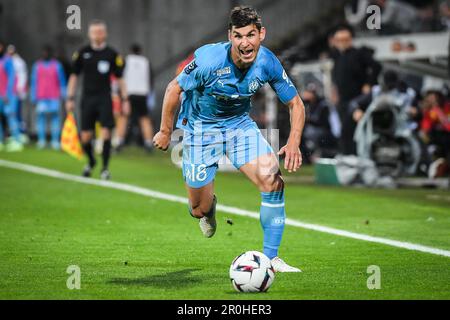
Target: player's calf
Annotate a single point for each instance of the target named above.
(272, 213)
(207, 223)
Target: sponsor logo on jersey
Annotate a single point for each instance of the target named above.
(221, 72)
(190, 67)
(87, 55)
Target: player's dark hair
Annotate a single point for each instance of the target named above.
(438, 94)
(97, 22)
(243, 16)
(47, 52)
(390, 80)
(344, 27)
(2, 48)
(136, 48)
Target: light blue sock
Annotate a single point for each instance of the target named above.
(272, 216)
(41, 126)
(14, 126)
(56, 127)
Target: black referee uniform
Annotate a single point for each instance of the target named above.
(97, 66)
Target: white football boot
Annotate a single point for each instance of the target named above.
(208, 223)
(280, 266)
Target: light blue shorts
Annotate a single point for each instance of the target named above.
(11, 108)
(202, 151)
(47, 106)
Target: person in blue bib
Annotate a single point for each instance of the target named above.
(216, 89)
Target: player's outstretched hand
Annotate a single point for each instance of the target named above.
(293, 157)
(161, 140)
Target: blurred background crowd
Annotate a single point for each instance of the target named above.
(374, 86)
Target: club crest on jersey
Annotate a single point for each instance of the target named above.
(190, 67)
(221, 72)
(253, 86)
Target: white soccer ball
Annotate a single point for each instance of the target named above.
(252, 271)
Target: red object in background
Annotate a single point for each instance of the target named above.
(436, 118)
(184, 63)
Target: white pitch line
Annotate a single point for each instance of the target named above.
(220, 207)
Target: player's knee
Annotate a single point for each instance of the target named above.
(86, 137)
(271, 183)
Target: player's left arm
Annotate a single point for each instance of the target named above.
(288, 95)
(293, 156)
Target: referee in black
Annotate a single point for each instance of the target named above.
(97, 62)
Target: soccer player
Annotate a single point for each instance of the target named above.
(9, 101)
(216, 89)
(97, 62)
(48, 87)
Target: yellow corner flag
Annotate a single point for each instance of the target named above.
(70, 142)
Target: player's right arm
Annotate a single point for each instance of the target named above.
(169, 108)
(194, 76)
(70, 102)
(73, 79)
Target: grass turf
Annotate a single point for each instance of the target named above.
(132, 247)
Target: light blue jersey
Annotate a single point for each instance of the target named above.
(215, 109)
(217, 94)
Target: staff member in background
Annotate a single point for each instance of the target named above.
(20, 67)
(48, 87)
(97, 62)
(355, 71)
(8, 102)
(138, 79)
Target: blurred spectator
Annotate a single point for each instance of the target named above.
(354, 72)
(397, 17)
(258, 109)
(435, 130)
(444, 11)
(138, 78)
(20, 68)
(318, 138)
(400, 16)
(48, 87)
(404, 96)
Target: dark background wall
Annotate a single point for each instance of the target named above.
(167, 29)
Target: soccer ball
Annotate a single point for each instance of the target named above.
(252, 271)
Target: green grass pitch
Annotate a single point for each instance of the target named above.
(133, 247)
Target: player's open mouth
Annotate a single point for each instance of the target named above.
(246, 53)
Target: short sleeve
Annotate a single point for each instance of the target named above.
(280, 82)
(77, 63)
(193, 76)
(118, 65)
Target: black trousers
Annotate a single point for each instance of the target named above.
(346, 144)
